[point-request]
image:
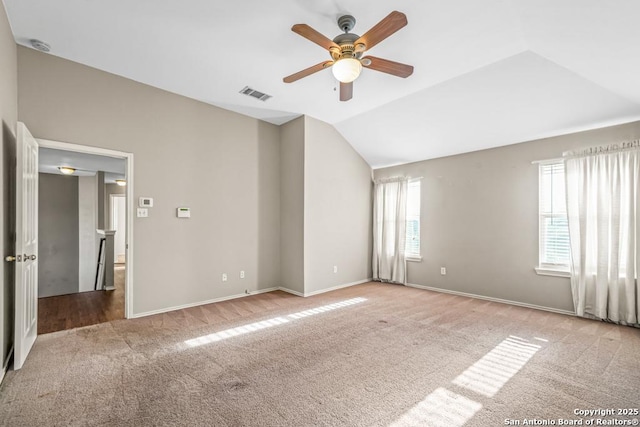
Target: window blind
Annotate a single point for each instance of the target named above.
(412, 245)
(554, 229)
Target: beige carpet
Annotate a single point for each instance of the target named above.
(371, 354)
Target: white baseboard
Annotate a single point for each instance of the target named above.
(262, 291)
(5, 367)
(334, 288)
(259, 291)
(482, 297)
(195, 304)
(290, 291)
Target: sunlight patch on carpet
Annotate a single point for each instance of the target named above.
(441, 408)
(493, 370)
(324, 308)
(257, 326)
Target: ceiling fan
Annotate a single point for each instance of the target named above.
(346, 51)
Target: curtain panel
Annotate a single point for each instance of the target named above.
(602, 190)
(389, 230)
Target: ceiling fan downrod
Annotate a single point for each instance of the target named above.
(346, 23)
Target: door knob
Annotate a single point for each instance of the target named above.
(27, 257)
(9, 258)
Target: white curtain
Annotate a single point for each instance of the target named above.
(389, 230)
(603, 208)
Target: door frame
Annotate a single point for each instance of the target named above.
(128, 157)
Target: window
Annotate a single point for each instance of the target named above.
(412, 246)
(553, 226)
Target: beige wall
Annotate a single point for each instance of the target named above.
(8, 117)
(102, 208)
(58, 235)
(268, 176)
(187, 153)
(337, 210)
(115, 189)
(325, 208)
(292, 204)
(480, 219)
(88, 238)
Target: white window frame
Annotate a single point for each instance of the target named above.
(415, 257)
(547, 269)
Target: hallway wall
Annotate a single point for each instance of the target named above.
(58, 234)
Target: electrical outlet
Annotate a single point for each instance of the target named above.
(224, 277)
(143, 213)
(242, 274)
(443, 271)
(335, 268)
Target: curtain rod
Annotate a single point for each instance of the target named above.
(409, 178)
(556, 160)
(603, 149)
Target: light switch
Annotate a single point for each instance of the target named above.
(183, 212)
(143, 213)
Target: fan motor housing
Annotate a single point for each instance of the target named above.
(346, 38)
(347, 47)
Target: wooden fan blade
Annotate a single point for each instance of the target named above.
(346, 91)
(307, 71)
(312, 35)
(383, 29)
(389, 67)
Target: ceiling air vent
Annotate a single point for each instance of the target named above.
(254, 93)
(40, 45)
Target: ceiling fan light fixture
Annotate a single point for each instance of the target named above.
(346, 70)
(66, 170)
(347, 49)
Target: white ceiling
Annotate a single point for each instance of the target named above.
(85, 164)
(487, 73)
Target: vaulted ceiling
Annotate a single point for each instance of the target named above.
(487, 72)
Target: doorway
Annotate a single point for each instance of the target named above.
(102, 209)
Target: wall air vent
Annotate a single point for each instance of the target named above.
(255, 94)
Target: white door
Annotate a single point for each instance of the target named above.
(118, 223)
(26, 320)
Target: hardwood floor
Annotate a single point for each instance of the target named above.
(82, 309)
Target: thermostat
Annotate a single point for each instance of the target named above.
(183, 212)
(145, 202)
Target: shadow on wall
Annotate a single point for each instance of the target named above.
(268, 214)
(370, 241)
(8, 228)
